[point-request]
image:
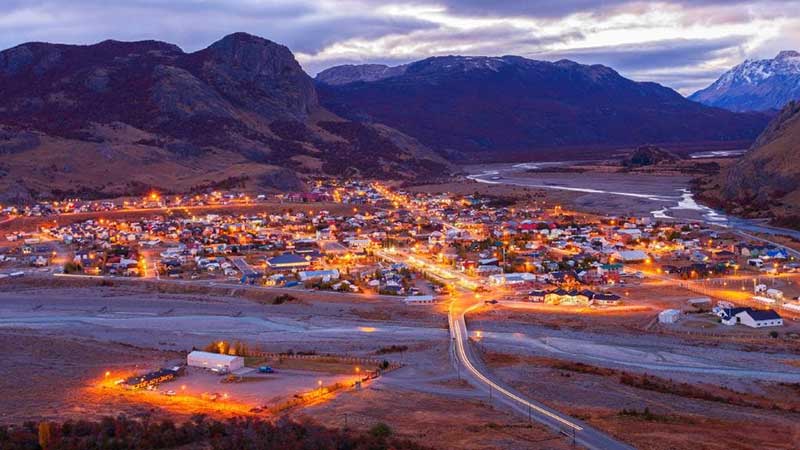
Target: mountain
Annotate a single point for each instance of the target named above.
(118, 118)
(496, 107)
(767, 179)
(350, 73)
(755, 85)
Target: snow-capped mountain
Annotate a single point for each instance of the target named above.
(756, 85)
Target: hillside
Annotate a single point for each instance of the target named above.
(649, 155)
(499, 107)
(766, 181)
(122, 117)
(756, 85)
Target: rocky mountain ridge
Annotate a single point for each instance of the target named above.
(756, 85)
(116, 118)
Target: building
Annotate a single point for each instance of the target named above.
(630, 256)
(420, 300)
(537, 295)
(151, 378)
(753, 318)
(288, 261)
(502, 279)
(669, 316)
(324, 275)
(217, 361)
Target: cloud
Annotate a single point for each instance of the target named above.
(678, 63)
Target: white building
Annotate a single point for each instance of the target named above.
(753, 318)
(214, 361)
(502, 279)
(420, 300)
(324, 275)
(669, 316)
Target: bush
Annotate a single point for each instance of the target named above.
(380, 431)
(73, 267)
(392, 349)
(283, 298)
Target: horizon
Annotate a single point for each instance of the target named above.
(682, 45)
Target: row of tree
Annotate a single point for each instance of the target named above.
(122, 433)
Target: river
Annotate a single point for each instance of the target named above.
(659, 196)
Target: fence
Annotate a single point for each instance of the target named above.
(360, 360)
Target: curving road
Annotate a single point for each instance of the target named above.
(471, 367)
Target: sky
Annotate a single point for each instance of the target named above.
(683, 44)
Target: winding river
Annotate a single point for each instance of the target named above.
(660, 197)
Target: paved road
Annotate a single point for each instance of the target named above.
(470, 367)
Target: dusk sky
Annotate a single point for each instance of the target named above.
(683, 44)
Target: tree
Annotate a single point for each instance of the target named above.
(380, 431)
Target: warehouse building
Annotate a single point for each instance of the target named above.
(208, 360)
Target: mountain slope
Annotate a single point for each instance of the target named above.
(767, 178)
(755, 85)
(120, 117)
(494, 106)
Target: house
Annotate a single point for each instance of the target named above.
(630, 256)
(606, 299)
(564, 297)
(288, 261)
(753, 318)
(333, 248)
(537, 295)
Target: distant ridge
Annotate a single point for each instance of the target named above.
(493, 107)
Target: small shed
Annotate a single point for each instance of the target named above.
(669, 316)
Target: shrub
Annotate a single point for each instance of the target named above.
(73, 267)
(380, 430)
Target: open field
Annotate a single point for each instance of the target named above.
(661, 413)
(71, 335)
(70, 331)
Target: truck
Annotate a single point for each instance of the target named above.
(266, 369)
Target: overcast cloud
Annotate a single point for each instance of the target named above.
(684, 44)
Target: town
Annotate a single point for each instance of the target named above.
(430, 253)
